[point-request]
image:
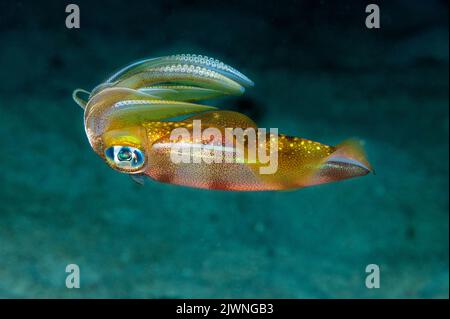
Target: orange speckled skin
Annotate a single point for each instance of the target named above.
(297, 159)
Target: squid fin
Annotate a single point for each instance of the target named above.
(351, 152)
(348, 160)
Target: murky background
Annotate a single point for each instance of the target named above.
(319, 74)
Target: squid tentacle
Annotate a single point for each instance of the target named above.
(191, 59)
(80, 101)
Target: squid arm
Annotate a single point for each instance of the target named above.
(180, 78)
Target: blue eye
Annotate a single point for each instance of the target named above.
(125, 158)
(125, 154)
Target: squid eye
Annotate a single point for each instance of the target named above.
(124, 154)
(125, 158)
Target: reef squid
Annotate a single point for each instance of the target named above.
(131, 117)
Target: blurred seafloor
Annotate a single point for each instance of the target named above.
(319, 74)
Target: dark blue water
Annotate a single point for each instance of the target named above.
(319, 74)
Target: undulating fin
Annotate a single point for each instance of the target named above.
(352, 152)
(80, 101)
(348, 160)
(138, 178)
(191, 59)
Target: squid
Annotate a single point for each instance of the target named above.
(144, 121)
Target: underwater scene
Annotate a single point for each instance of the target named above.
(354, 98)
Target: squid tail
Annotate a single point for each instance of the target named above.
(347, 161)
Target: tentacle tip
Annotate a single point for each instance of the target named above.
(80, 101)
